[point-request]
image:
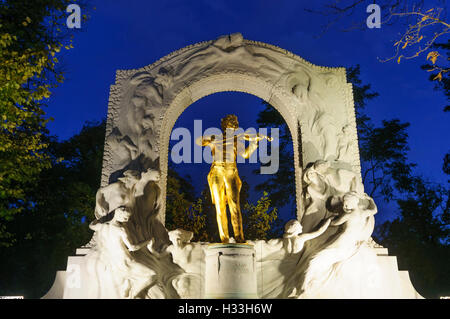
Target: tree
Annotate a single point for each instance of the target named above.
(439, 71)
(386, 170)
(31, 34)
(419, 237)
(383, 149)
(381, 163)
(280, 186)
(56, 222)
(258, 219)
(199, 215)
(182, 210)
(443, 84)
(422, 25)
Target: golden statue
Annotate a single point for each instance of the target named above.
(223, 178)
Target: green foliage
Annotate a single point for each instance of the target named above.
(22, 153)
(199, 215)
(198, 221)
(31, 34)
(258, 219)
(182, 211)
(176, 203)
(56, 221)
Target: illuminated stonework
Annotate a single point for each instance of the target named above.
(327, 252)
(316, 102)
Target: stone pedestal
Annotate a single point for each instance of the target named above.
(230, 271)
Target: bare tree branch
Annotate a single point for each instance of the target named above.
(422, 27)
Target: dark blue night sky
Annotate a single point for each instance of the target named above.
(131, 34)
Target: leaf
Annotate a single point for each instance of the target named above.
(432, 56)
(438, 77)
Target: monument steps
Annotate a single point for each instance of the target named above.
(395, 283)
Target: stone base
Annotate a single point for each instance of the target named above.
(230, 271)
(369, 274)
(245, 271)
(77, 282)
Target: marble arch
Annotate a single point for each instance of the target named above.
(316, 103)
(132, 255)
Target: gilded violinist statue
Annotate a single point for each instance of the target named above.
(223, 178)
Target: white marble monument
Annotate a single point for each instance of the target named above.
(327, 252)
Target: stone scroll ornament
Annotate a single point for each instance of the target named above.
(132, 254)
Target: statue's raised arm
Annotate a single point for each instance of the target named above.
(205, 140)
